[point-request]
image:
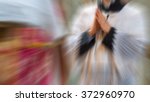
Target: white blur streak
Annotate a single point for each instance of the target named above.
(40, 13)
(25, 11)
(100, 66)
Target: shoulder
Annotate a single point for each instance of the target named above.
(83, 18)
(134, 9)
(88, 9)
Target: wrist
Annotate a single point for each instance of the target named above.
(107, 28)
(108, 40)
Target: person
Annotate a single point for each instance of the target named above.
(109, 50)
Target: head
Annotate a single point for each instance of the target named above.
(111, 5)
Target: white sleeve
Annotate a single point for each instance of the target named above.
(129, 46)
(130, 41)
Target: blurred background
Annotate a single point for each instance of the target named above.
(31, 40)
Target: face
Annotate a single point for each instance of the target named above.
(111, 5)
(106, 3)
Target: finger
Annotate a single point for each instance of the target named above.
(98, 19)
(99, 11)
(99, 16)
(95, 27)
